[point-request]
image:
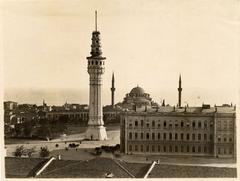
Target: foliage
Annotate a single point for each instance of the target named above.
(44, 152)
(19, 151)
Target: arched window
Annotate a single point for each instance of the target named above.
(159, 136)
(187, 136)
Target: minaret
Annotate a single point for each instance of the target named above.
(112, 90)
(179, 91)
(96, 129)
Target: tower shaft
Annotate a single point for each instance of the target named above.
(96, 129)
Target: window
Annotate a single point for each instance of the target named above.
(147, 125)
(142, 136)
(181, 136)
(164, 124)
(199, 149)
(193, 137)
(211, 137)
(187, 136)
(205, 125)
(188, 149)
(159, 126)
(164, 148)
(136, 123)
(153, 136)
(199, 137)
(219, 151)
(130, 125)
(176, 148)
(153, 124)
(199, 124)
(170, 148)
(130, 147)
(147, 148)
(230, 139)
(147, 136)
(153, 148)
(219, 139)
(136, 136)
(170, 136)
(193, 149)
(159, 148)
(164, 136)
(170, 125)
(96, 62)
(176, 136)
(182, 124)
(205, 137)
(182, 149)
(224, 139)
(159, 136)
(100, 62)
(193, 124)
(142, 123)
(205, 149)
(136, 147)
(141, 148)
(130, 135)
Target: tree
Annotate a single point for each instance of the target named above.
(19, 151)
(44, 152)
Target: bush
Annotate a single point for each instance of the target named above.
(19, 151)
(44, 152)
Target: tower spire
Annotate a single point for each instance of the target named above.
(95, 20)
(179, 91)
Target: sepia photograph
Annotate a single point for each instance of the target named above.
(120, 89)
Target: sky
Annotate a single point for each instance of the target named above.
(146, 43)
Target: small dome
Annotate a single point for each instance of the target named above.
(137, 90)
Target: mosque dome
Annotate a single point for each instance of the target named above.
(137, 90)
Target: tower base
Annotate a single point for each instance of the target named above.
(96, 133)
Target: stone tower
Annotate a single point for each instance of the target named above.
(179, 91)
(95, 129)
(112, 90)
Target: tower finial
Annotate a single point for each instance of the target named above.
(95, 20)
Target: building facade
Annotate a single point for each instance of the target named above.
(177, 130)
(180, 131)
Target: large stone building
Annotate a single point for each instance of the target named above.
(176, 130)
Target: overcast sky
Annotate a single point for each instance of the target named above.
(149, 43)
